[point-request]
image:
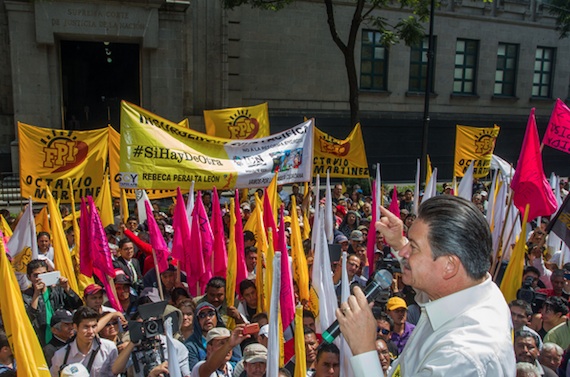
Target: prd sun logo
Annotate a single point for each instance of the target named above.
(63, 151)
(242, 125)
(333, 147)
(485, 142)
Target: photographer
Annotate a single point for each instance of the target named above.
(148, 350)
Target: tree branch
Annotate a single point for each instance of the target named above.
(332, 27)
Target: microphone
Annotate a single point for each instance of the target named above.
(381, 281)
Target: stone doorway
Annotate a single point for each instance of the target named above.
(95, 77)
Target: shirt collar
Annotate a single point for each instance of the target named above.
(446, 308)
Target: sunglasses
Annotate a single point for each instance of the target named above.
(208, 314)
(383, 331)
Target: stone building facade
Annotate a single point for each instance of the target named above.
(493, 62)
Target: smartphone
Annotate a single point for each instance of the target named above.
(252, 328)
(50, 278)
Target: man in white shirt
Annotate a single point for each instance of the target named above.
(97, 355)
(465, 326)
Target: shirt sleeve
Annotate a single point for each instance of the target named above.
(366, 364)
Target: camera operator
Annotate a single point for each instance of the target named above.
(145, 354)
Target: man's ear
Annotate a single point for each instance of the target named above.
(452, 265)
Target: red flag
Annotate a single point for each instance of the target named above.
(529, 182)
(394, 208)
(219, 247)
(371, 239)
(558, 130)
(241, 267)
(287, 294)
(269, 220)
(156, 239)
(85, 229)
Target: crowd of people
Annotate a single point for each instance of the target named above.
(444, 314)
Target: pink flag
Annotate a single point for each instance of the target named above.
(241, 267)
(287, 294)
(85, 231)
(219, 247)
(156, 239)
(394, 208)
(529, 182)
(371, 240)
(201, 222)
(102, 264)
(190, 259)
(557, 134)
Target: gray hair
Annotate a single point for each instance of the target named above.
(457, 227)
(527, 370)
(549, 346)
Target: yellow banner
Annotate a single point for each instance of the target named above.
(474, 143)
(159, 154)
(114, 162)
(344, 158)
(238, 123)
(51, 156)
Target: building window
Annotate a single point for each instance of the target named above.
(419, 66)
(543, 72)
(506, 74)
(465, 75)
(373, 62)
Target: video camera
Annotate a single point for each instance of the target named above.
(150, 349)
(528, 294)
(390, 264)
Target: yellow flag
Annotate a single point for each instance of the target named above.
(306, 225)
(274, 199)
(255, 225)
(300, 268)
(21, 335)
(512, 279)
(269, 269)
(42, 221)
(232, 264)
(62, 257)
(474, 143)
(82, 280)
(105, 203)
(124, 207)
(5, 227)
(300, 357)
(238, 123)
(428, 170)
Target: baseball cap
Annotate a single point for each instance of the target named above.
(254, 353)
(111, 229)
(396, 303)
(217, 333)
(356, 235)
(286, 219)
(122, 279)
(264, 330)
(91, 289)
(340, 238)
(204, 306)
(446, 186)
(341, 209)
(61, 315)
(245, 206)
(362, 227)
(74, 370)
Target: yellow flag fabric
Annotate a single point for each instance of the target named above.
(343, 158)
(428, 170)
(231, 273)
(5, 227)
(512, 279)
(52, 156)
(21, 335)
(124, 207)
(184, 123)
(159, 154)
(261, 244)
(82, 280)
(274, 198)
(300, 356)
(42, 221)
(62, 257)
(300, 267)
(250, 122)
(114, 169)
(105, 203)
(474, 143)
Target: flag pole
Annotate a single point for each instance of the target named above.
(499, 257)
(159, 282)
